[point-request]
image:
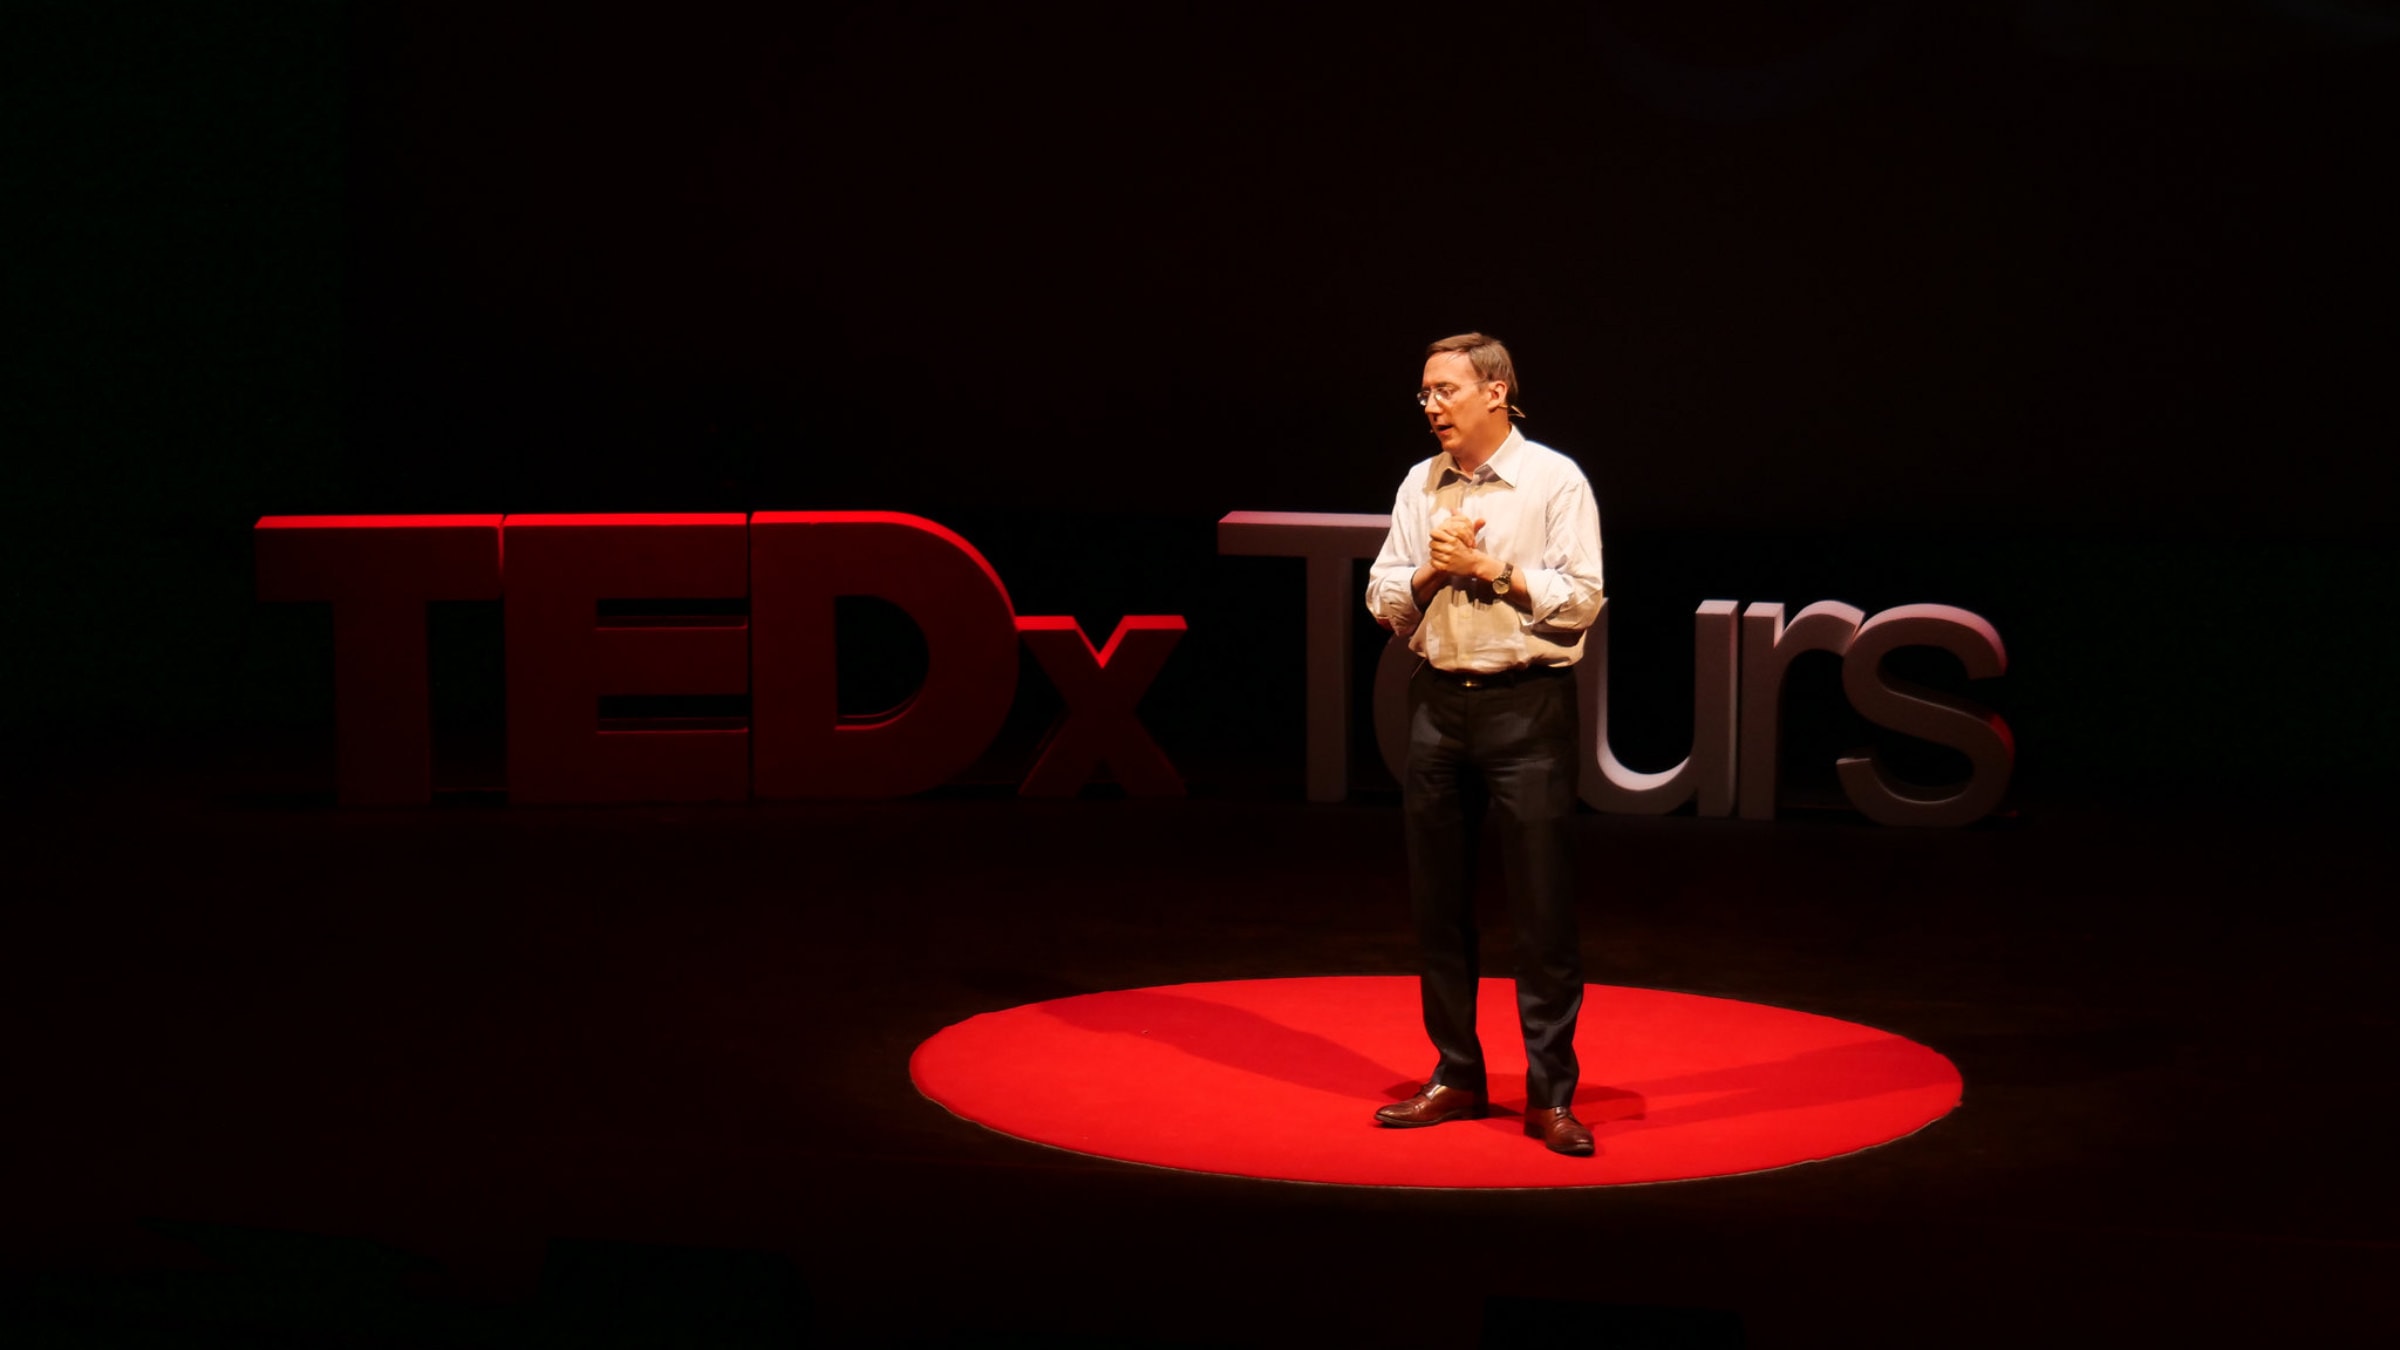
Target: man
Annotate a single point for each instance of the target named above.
(1492, 571)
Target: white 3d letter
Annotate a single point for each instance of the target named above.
(1707, 773)
(1392, 672)
(1767, 651)
(1916, 711)
(1330, 543)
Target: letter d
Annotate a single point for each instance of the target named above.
(800, 561)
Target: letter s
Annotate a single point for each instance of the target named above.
(1928, 715)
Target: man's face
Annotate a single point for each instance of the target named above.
(1464, 412)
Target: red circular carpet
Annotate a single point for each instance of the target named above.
(1281, 1078)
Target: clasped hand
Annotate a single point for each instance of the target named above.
(1454, 549)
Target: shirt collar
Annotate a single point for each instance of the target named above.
(1502, 463)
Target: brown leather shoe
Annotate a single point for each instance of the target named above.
(1559, 1131)
(1431, 1106)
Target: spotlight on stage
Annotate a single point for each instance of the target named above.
(1280, 1079)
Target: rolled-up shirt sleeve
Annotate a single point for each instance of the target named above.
(1565, 590)
(1390, 596)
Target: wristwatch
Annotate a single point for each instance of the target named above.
(1500, 582)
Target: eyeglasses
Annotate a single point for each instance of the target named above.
(1444, 394)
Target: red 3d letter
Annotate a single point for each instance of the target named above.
(563, 658)
(799, 562)
(1101, 688)
(1973, 731)
(379, 572)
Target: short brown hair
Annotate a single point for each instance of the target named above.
(1491, 360)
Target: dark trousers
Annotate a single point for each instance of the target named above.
(1509, 748)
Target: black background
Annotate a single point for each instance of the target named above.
(2077, 315)
(2074, 315)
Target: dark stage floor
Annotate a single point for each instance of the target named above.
(478, 1075)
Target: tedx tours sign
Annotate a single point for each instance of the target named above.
(565, 654)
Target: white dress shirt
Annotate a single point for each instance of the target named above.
(1538, 513)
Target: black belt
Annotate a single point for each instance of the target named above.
(1498, 679)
